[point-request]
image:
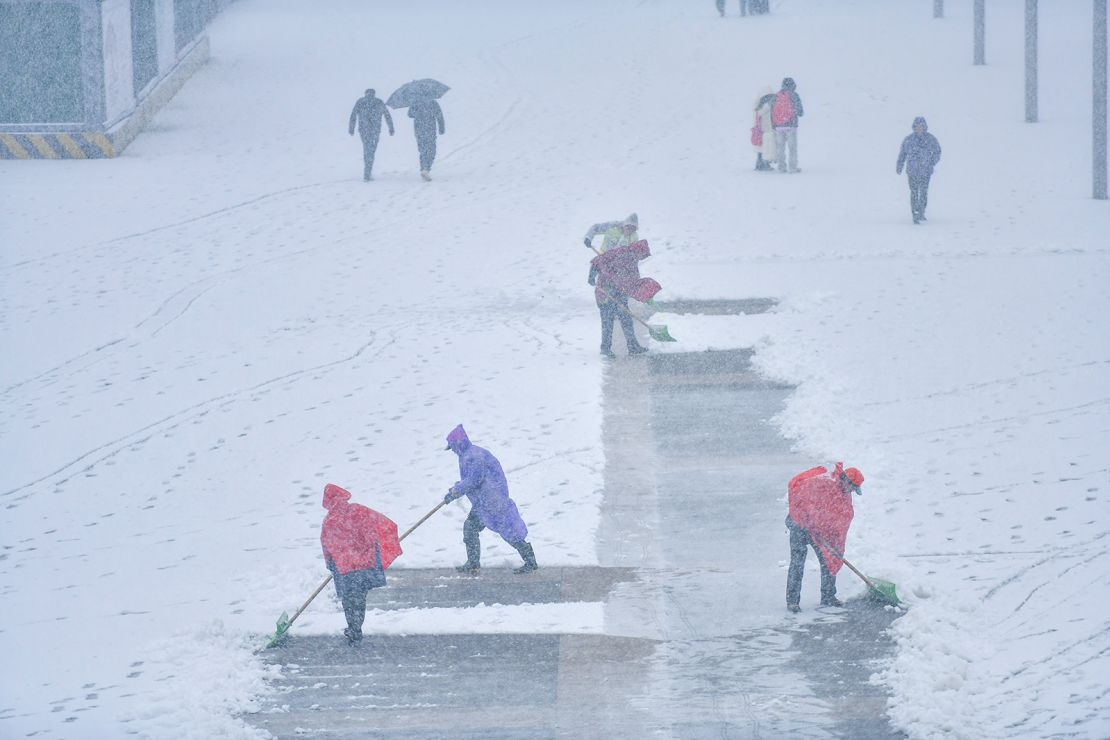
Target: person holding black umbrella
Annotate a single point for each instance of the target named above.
(368, 113)
(426, 116)
(420, 96)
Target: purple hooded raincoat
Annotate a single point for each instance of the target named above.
(483, 482)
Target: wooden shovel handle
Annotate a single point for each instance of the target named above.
(840, 555)
(423, 519)
(308, 601)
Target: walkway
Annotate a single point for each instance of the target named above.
(692, 555)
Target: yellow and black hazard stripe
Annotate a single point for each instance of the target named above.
(56, 146)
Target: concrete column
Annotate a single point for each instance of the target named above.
(92, 66)
(167, 49)
(1031, 61)
(119, 92)
(1098, 99)
(980, 30)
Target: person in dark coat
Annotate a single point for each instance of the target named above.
(820, 512)
(426, 116)
(368, 113)
(785, 112)
(919, 154)
(359, 544)
(743, 7)
(482, 480)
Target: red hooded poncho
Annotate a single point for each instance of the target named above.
(818, 505)
(619, 272)
(351, 531)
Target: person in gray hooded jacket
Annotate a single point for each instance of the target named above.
(919, 154)
(616, 233)
(368, 113)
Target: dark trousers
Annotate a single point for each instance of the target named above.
(617, 309)
(427, 148)
(369, 147)
(919, 194)
(472, 527)
(743, 7)
(799, 542)
(351, 588)
(354, 609)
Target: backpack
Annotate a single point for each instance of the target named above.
(782, 112)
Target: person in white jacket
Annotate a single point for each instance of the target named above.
(617, 233)
(766, 151)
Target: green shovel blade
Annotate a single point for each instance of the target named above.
(659, 333)
(883, 591)
(282, 628)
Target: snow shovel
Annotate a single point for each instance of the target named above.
(878, 589)
(658, 332)
(285, 621)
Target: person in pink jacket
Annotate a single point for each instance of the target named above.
(615, 276)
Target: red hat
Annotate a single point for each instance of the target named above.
(855, 476)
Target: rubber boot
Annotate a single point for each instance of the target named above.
(473, 552)
(529, 556)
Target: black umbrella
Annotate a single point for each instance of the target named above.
(415, 92)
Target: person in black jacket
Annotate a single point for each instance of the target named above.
(368, 112)
(426, 115)
(919, 154)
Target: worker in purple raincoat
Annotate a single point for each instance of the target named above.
(483, 482)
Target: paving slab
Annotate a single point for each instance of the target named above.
(411, 588)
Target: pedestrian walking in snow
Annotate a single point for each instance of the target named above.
(763, 132)
(615, 276)
(760, 7)
(617, 233)
(482, 480)
(820, 512)
(919, 154)
(368, 113)
(359, 544)
(426, 117)
(785, 112)
(743, 7)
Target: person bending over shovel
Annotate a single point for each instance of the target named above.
(820, 512)
(359, 544)
(483, 482)
(615, 276)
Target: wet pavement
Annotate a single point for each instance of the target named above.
(692, 552)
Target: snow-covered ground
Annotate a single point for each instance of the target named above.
(200, 334)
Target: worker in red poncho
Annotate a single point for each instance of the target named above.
(359, 544)
(615, 276)
(820, 513)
